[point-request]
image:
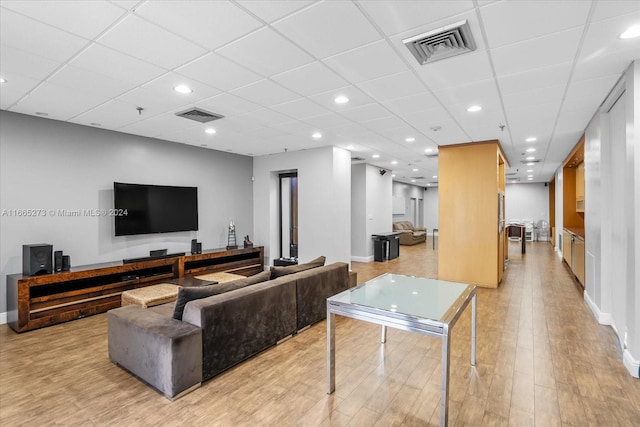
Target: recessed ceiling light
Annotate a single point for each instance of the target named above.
(183, 89)
(529, 176)
(394, 162)
(350, 147)
(428, 184)
(393, 176)
(316, 135)
(210, 131)
(530, 150)
(474, 108)
(375, 156)
(529, 179)
(415, 169)
(514, 181)
(531, 139)
(428, 150)
(631, 32)
(2, 80)
(434, 176)
(410, 139)
(413, 180)
(529, 170)
(530, 158)
(530, 164)
(341, 99)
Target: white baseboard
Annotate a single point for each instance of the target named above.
(3, 318)
(602, 318)
(362, 258)
(632, 365)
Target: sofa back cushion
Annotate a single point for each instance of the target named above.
(190, 293)
(283, 271)
(313, 287)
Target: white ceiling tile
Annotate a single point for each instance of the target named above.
(265, 93)
(602, 39)
(367, 62)
(108, 62)
(462, 69)
(296, 128)
(411, 104)
(308, 28)
(83, 18)
(602, 65)
(228, 105)
(392, 87)
(164, 85)
(159, 125)
(218, 72)
(355, 95)
(207, 23)
(397, 16)
(556, 75)
(366, 113)
(153, 102)
(589, 92)
(532, 120)
(272, 10)
(139, 38)
(310, 79)
(74, 77)
(508, 22)
(450, 134)
(424, 120)
(266, 117)
(300, 109)
(110, 115)
(327, 121)
(16, 87)
(610, 8)
(533, 96)
(481, 93)
(27, 64)
(126, 4)
(265, 52)
(58, 102)
(386, 123)
(536, 53)
(43, 40)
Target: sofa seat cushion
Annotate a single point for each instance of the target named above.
(283, 271)
(190, 293)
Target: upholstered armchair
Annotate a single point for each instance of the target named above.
(410, 235)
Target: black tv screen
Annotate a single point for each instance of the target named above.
(146, 209)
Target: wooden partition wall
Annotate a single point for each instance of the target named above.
(471, 180)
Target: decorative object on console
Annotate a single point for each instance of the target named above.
(247, 242)
(66, 263)
(283, 271)
(196, 247)
(57, 261)
(37, 259)
(231, 241)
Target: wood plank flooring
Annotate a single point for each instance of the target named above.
(542, 360)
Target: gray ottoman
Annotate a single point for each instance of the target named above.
(164, 352)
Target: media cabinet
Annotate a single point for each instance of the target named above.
(38, 301)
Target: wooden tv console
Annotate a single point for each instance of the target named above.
(38, 301)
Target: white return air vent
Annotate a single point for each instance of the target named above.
(199, 115)
(445, 42)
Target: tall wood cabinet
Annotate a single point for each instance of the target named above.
(471, 235)
(573, 204)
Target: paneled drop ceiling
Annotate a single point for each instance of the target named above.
(274, 68)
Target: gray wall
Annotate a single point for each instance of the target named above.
(527, 201)
(51, 165)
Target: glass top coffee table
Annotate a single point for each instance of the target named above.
(426, 306)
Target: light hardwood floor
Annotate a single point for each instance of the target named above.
(542, 360)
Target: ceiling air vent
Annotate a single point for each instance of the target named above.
(199, 115)
(431, 156)
(525, 162)
(445, 42)
(357, 159)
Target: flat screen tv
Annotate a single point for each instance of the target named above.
(146, 209)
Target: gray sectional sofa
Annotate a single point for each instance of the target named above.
(219, 331)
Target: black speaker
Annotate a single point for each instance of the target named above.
(37, 259)
(196, 247)
(66, 263)
(57, 261)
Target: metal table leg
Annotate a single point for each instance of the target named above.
(331, 351)
(444, 395)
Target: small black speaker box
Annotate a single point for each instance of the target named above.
(196, 248)
(37, 259)
(66, 263)
(57, 261)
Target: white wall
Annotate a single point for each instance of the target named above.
(431, 208)
(612, 197)
(324, 202)
(47, 164)
(527, 201)
(371, 207)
